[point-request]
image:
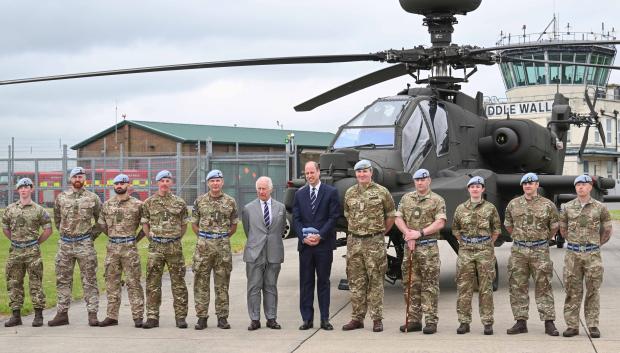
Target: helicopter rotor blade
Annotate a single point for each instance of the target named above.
(601, 132)
(513, 59)
(544, 44)
(354, 86)
(315, 59)
(584, 141)
(589, 102)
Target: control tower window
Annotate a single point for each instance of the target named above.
(507, 75)
(580, 70)
(519, 71)
(568, 71)
(554, 69)
(604, 72)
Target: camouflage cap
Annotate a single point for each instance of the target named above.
(363, 164)
(75, 171)
(215, 173)
(121, 178)
(528, 178)
(421, 174)
(585, 178)
(163, 174)
(476, 180)
(24, 182)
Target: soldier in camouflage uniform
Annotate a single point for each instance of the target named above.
(585, 223)
(370, 211)
(531, 220)
(214, 220)
(21, 222)
(75, 211)
(164, 220)
(421, 215)
(476, 225)
(120, 218)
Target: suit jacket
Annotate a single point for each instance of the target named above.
(259, 236)
(324, 218)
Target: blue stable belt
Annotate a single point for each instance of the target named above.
(24, 244)
(531, 243)
(426, 242)
(164, 240)
(206, 235)
(122, 240)
(582, 247)
(474, 240)
(68, 239)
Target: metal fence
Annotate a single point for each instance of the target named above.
(51, 175)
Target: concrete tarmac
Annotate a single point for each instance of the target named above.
(78, 337)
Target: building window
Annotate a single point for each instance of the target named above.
(597, 137)
(608, 131)
(568, 135)
(610, 169)
(586, 167)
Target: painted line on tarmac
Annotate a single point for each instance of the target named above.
(318, 329)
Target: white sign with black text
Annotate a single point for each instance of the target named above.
(520, 108)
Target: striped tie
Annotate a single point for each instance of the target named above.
(313, 199)
(266, 215)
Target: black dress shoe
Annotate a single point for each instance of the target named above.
(306, 325)
(273, 324)
(254, 325)
(325, 325)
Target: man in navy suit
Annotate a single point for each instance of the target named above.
(315, 211)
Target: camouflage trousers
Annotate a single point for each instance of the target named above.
(160, 255)
(424, 286)
(20, 262)
(366, 266)
(579, 268)
(123, 258)
(212, 255)
(475, 259)
(82, 252)
(523, 263)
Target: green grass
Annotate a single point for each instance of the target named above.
(615, 215)
(48, 253)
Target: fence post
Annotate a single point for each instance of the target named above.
(36, 182)
(11, 176)
(178, 172)
(149, 175)
(121, 160)
(64, 167)
(198, 171)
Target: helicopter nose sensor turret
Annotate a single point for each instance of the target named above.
(427, 7)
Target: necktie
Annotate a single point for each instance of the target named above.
(266, 214)
(313, 199)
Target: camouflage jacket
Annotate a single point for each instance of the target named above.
(585, 224)
(25, 221)
(165, 215)
(476, 219)
(421, 211)
(75, 211)
(215, 214)
(531, 220)
(367, 208)
(121, 217)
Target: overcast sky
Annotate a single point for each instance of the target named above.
(54, 37)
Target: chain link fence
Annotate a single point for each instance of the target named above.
(51, 175)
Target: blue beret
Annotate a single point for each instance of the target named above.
(585, 178)
(163, 174)
(121, 178)
(24, 182)
(75, 171)
(215, 173)
(363, 164)
(528, 178)
(476, 180)
(421, 174)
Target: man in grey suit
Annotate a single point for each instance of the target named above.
(263, 221)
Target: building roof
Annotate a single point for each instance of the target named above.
(608, 152)
(219, 134)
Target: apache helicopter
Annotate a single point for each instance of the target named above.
(436, 127)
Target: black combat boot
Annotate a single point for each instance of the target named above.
(15, 320)
(488, 330)
(222, 323)
(61, 318)
(181, 323)
(150, 323)
(519, 327)
(411, 326)
(463, 329)
(38, 318)
(93, 321)
(201, 324)
(550, 328)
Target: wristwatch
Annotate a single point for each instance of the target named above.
(421, 232)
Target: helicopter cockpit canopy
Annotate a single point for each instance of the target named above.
(427, 126)
(374, 127)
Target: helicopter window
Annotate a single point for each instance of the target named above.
(416, 141)
(383, 112)
(439, 125)
(367, 136)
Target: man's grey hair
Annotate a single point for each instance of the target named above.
(265, 179)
